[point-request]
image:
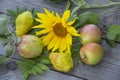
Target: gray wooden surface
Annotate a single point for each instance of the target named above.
(108, 69)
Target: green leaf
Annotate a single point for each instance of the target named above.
(30, 61)
(4, 25)
(9, 49)
(33, 71)
(113, 34)
(118, 38)
(21, 10)
(25, 76)
(12, 12)
(38, 70)
(87, 18)
(4, 41)
(24, 66)
(76, 49)
(43, 67)
(2, 59)
(33, 66)
(67, 5)
(45, 61)
(111, 42)
(6, 38)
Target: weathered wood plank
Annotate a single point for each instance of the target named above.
(6, 74)
(15, 75)
(37, 4)
(3, 69)
(108, 69)
(10, 76)
(108, 20)
(8, 71)
(52, 75)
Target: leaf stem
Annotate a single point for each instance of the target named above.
(98, 2)
(67, 5)
(81, 4)
(88, 6)
(77, 8)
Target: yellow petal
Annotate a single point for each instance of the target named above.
(48, 38)
(68, 49)
(42, 16)
(39, 26)
(58, 17)
(50, 15)
(44, 31)
(65, 16)
(68, 39)
(47, 23)
(52, 43)
(72, 31)
(62, 45)
(58, 42)
(71, 22)
(69, 43)
(46, 11)
(38, 20)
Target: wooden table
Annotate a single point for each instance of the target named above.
(108, 69)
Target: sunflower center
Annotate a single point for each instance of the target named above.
(59, 30)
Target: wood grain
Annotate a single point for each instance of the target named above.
(108, 69)
(50, 75)
(37, 4)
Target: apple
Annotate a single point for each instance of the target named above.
(90, 33)
(30, 46)
(91, 53)
(61, 61)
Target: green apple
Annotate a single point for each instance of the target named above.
(30, 46)
(90, 33)
(91, 53)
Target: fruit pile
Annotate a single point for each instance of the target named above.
(31, 46)
(91, 52)
(53, 42)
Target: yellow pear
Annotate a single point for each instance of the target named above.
(24, 22)
(61, 61)
(30, 46)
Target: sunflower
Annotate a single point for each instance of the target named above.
(57, 31)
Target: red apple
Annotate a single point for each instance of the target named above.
(91, 53)
(90, 33)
